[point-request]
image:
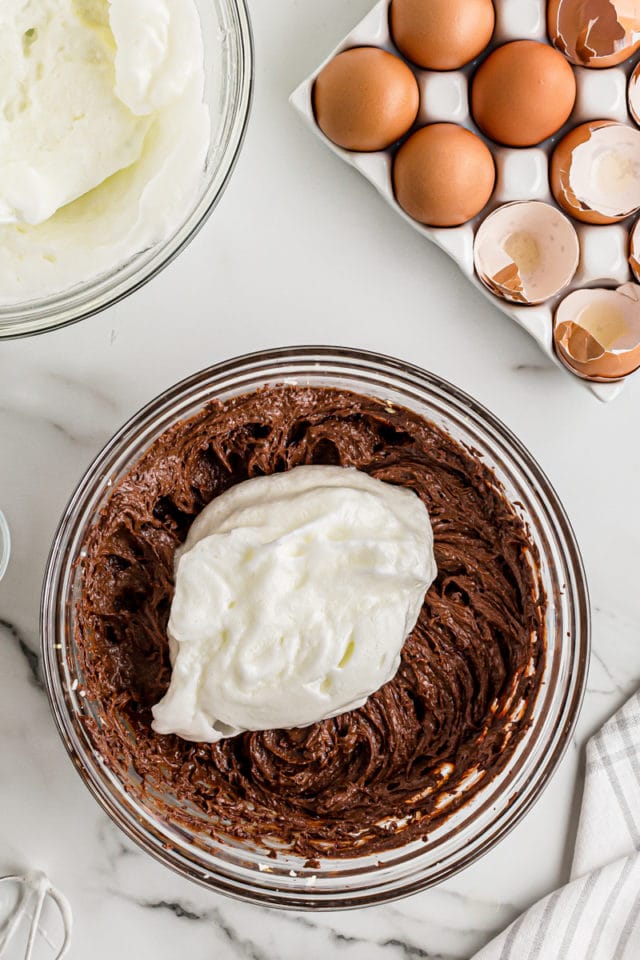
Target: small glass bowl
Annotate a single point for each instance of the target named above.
(5, 545)
(228, 61)
(241, 870)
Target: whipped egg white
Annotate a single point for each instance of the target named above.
(294, 594)
(103, 135)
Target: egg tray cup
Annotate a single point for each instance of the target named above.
(521, 173)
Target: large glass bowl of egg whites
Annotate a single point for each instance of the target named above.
(472, 819)
(121, 123)
(507, 133)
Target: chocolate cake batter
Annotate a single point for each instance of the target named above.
(470, 670)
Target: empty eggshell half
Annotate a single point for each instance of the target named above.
(634, 250)
(594, 33)
(595, 172)
(526, 252)
(597, 332)
(634, 94)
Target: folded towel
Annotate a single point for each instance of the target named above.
(597, 915)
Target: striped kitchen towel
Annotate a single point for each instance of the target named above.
(597, 915)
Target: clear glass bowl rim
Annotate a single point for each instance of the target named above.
(159, 413)
(69, 307)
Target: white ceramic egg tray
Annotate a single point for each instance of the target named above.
(522, 174)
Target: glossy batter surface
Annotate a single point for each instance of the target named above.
(469, 673)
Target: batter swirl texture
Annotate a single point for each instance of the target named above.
(371, 779)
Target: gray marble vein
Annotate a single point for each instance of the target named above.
(31, 658)
(544, 368)
(247, 947)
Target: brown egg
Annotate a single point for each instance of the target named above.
(443, 175)
(595, 173)
(523, 93)
(594, 33)
(365, 99)
(442, 34)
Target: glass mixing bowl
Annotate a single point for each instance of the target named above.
(241, 870)
(228, 55)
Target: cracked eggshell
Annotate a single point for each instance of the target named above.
(634, 250)
(526, 252)
(597, 332)
(595, 172)
(595, 33)
(365, 99)
(634, 94)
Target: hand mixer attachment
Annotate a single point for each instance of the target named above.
(35, 919)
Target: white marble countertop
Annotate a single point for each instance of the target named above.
(299, 250)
